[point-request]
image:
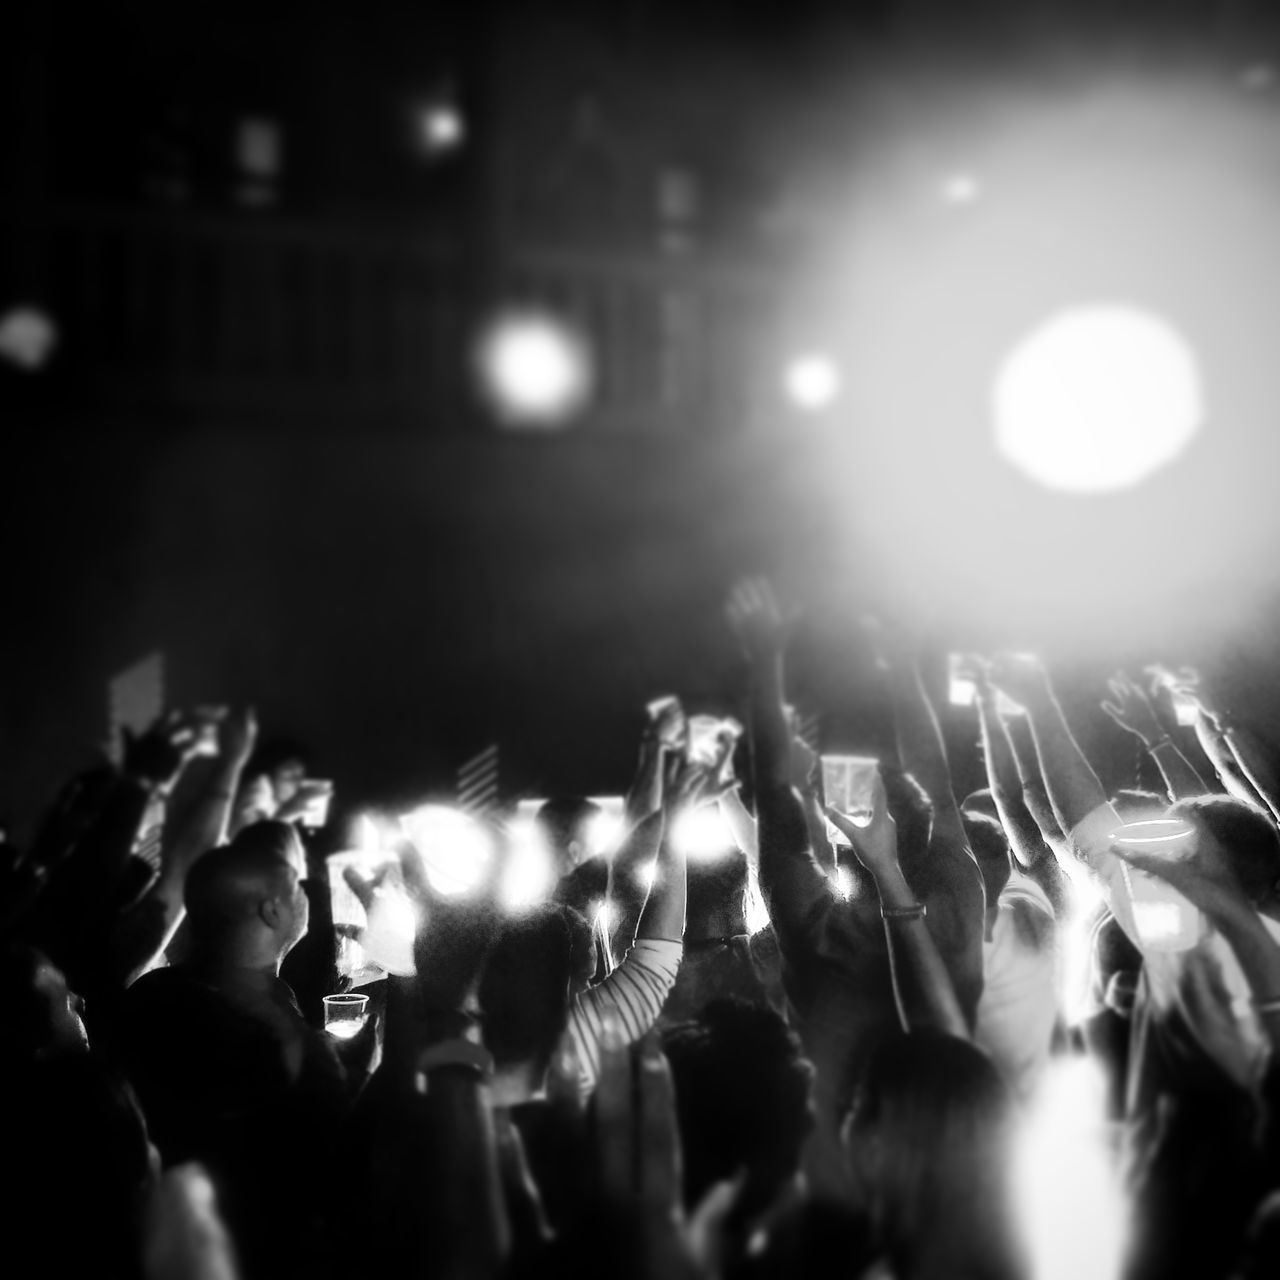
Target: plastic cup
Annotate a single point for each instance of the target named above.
(1164, 919)
(345, 1015)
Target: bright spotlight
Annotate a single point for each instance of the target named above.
(1097, 399)
(530, 875)
(535, 369)
(702, 834)
(455, 849)
(812, 382)
(27, 338)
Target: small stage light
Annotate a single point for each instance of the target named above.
(27, 338)
(442, 127)
(535, 369)
(812, 382)
(1097, 399)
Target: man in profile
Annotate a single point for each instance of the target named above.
(228, 1072)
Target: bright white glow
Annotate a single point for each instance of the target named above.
(393, 923)
(960, 188)
(27, 338)
(535, 368)
(455, 849)
(1070, 1201)
(606, 830)
(1097, 399)
(845, 882)
(812, 382)
(530, 876)
(442, 127)
(755, 910)
(647, 875)
(702, 834)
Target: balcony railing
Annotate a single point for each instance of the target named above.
(203, 312)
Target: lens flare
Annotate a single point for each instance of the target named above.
(812, 382)
(1097, 399)
(455, 849)
(535, 369)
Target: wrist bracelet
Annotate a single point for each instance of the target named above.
(1160, 742)
(914, 912)
(452, 1053)
(1267, 1006)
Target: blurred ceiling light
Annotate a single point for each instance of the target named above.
(535, 369)
(27, 338)
(530, 875)
(1097, 398)
(812, 382)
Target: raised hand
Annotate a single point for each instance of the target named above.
(455, 933)
(757, 620)
(238, 735)
(157, 757)
(639, 1168)
(876, 843)
(1132, 710)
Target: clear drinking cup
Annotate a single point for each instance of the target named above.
(345, 1015)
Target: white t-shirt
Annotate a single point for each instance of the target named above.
(1204, 985)
(1019, 1003)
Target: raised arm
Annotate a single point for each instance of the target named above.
(144, 932)
(436, 1192)
(1133, 711)
(1072, 786)
(795, 889)
(922, 987)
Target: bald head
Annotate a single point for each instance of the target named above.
(248, 894)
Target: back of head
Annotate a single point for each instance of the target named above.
(565, 822)
(536, 965)
(716, 897)
(743, 1091)
(928, 1138)
(1248, 838)
(226, 887)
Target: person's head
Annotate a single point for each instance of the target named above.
(991, 848)
(283, 763)
(45, 1015)
(928, 1143)
(716, 898)
(566, 822)
(540, 961)
(1242, 835)
(246, 901)
(743, 1100)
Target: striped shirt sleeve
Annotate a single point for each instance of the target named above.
(634, 993)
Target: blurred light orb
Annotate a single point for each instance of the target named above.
(960, 188)
(702, 834)
(455, 849)
(442, 127)
(812, 382)
(1097, 399)
(535, 369)
(27, 338)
